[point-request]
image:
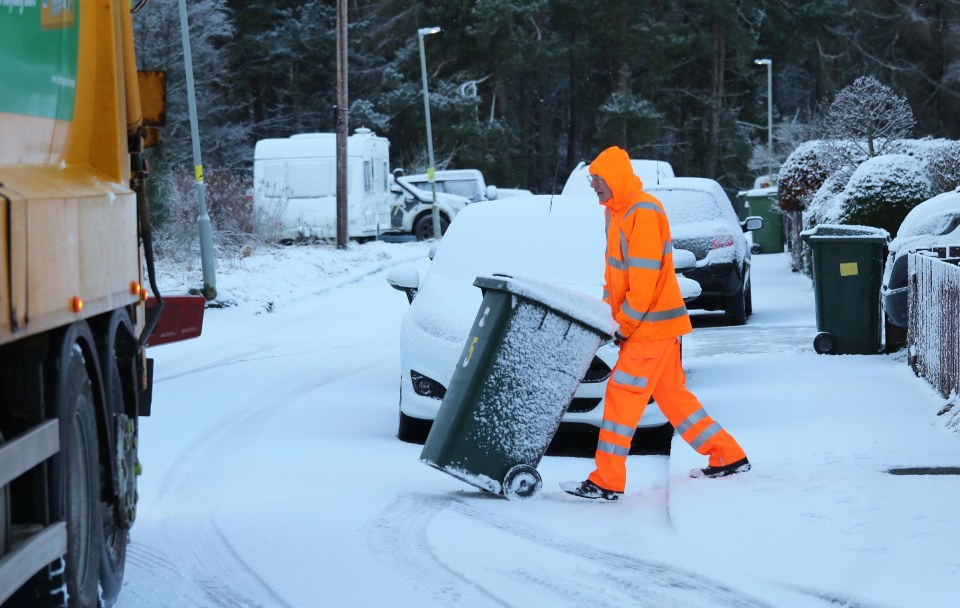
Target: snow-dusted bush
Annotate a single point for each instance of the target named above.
(801, 175)
(824, 207)
(881, 192)
(943, 165)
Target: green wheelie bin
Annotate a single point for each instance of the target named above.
(530, 346)
(763, 203)
(847, 272)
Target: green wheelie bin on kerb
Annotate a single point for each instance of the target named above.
(763, 203)
(847, 272)
(530, 346)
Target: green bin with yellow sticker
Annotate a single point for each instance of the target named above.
(847, 273)
(527, 352)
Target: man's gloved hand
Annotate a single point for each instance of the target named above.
(618, 339)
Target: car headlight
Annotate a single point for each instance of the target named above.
(426, 386)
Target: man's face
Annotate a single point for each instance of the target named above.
(604, 193)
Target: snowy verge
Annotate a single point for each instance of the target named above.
(266, 277)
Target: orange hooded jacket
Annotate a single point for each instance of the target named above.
(640, 281)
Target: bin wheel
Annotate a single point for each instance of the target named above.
(756, 248)
(824, 343)
(521, 482)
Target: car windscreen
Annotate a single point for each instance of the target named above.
(527, 237)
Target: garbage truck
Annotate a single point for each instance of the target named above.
(75, 320)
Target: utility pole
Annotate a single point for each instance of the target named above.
(342, 130)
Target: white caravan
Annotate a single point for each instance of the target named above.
(295, 186)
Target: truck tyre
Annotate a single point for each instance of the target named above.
(423, 228)
(4, 516)
(75, 487)
(116, 352)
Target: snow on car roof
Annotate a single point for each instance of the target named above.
(923, 219)
(555, 238)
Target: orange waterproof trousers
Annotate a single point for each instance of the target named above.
(645, 368)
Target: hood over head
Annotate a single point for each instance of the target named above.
(613, 165)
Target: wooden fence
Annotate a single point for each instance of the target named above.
(934, 331)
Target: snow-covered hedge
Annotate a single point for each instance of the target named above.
(882, 191)
(801, 175)
(943, 165)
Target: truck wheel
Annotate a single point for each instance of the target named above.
(423, 229)
(76, 476)
(115, 351)
(4, 516)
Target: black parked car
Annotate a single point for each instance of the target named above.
(703, 221)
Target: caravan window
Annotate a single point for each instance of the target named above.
(383, 177)
(367, 176)
(312, 178)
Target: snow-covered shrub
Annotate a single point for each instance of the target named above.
(943, 166)
(824, 207)
(882, 191)
(801, 175)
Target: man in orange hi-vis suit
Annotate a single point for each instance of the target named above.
(644, 295)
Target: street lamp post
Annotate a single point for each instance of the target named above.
(426, 31)
(769, 64)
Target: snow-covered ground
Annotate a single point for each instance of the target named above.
(272, 476)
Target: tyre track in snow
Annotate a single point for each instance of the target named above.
(228, 581)
(650, 583)
(400, 538)
(194, 559)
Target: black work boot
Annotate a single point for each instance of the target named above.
(740, 466)
(588, 489)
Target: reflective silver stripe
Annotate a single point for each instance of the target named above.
(622, 377)
(642, 205)
(667, 247)
(691, 420)
(663, 315)
(647, 263)
(615, 263)
(705, 435)
(630, 312)
(620, 429)
(610, 448)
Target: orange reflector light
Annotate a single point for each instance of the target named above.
(135, 288)
(144, 295)
(76, 304)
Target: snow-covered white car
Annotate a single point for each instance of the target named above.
(933, 223)
(649, 171)
(556, 239)
(702, 220)
(462, 182)
(412, 208)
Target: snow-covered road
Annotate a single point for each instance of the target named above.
(272, 477)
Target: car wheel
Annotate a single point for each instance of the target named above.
(652, 441)
(749, 302)
(413, 430)
(423, 229)
(736, 307)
